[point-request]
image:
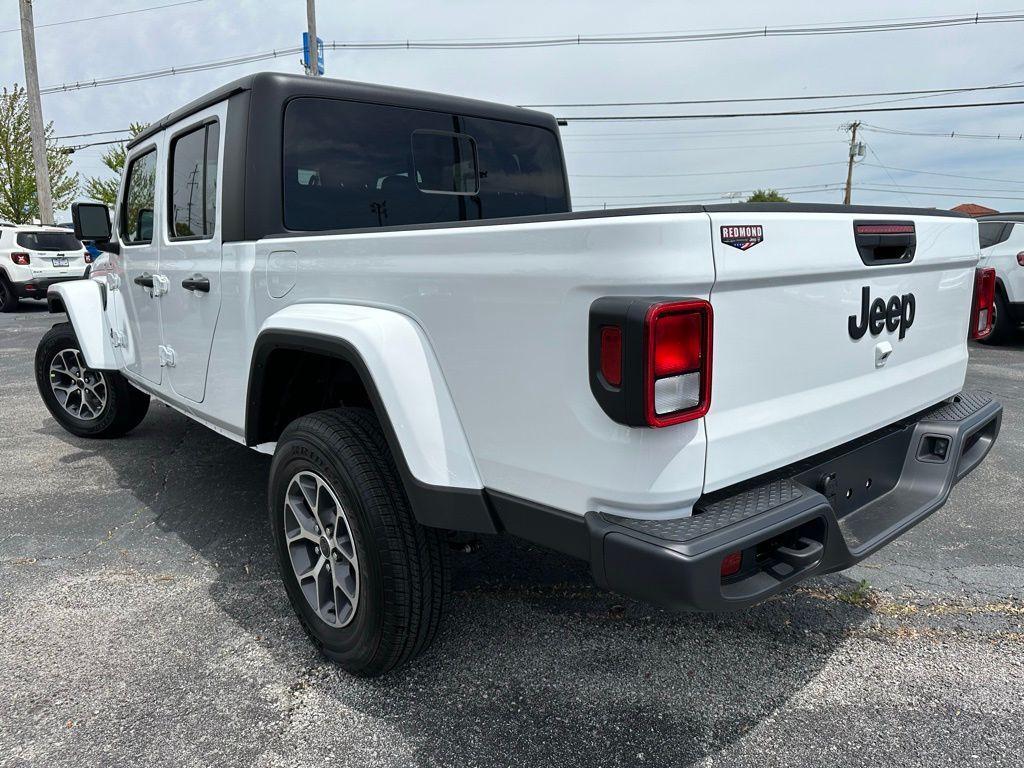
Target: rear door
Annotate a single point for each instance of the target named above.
(190, 257)
(818, 341)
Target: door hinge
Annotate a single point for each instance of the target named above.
(160, 285)
(117, 338)
(166, 356)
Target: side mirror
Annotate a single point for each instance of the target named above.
(92, 221)
(144, 226)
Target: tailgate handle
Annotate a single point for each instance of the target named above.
(885, 242)
(805, 552)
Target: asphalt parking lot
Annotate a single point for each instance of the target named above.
(143, 623)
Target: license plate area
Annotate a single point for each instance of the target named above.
(59, 261)
(859, 476)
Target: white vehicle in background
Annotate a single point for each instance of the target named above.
(388, 291)
(33, 258)
(1002, 249)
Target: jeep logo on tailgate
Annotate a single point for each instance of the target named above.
(895, 314)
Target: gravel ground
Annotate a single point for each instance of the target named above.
(143, 623)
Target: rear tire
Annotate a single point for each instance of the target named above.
(8, 298)
(106, 404)
(334, 485)
(1003, 326)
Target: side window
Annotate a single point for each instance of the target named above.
(445, 162)
(994, 232)
(349, 165)
(352, 165)
(137, 210)
(192, 197)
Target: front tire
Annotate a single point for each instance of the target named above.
(376, 598)
(85, 402)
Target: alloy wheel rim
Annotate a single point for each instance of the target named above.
(79, 390)
(321, 549)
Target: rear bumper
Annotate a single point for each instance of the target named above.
(821, 515)
(36, 287)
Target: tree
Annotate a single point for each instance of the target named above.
(767, 196)
(18, 203)
(104, 190)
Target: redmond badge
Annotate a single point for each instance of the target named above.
(743, 237)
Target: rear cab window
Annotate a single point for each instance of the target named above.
(352, 165)
(192, 194)
(48, 241)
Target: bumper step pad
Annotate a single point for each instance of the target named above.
(850, 501)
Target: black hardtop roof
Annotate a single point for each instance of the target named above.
(286, 86)
(1011, 216)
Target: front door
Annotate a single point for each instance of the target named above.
(140, 258)
(190, 258)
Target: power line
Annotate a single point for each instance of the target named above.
(788, 113)
(695, 149)
(934, 194)
(107, 15)
(950, 175)
(752, 99)
(93, 133)
(945, 134)
(872, 151)
(680, 195)
(838, 28)
(702, 173)
(714, 132)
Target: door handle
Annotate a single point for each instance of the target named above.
(196, 283)
(145, 280)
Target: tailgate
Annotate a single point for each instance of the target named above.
(790, 378)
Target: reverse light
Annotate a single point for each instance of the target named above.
(677, 372)
(21, 259)
(984, 302)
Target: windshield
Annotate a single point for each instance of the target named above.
(48, 241)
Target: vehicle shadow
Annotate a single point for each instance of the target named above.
(534, 665)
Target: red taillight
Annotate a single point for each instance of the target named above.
(611, 355)
(984, 302)
(87, 257)
(677, 375)
(731, 563)
(21, 259)
(1020, 258)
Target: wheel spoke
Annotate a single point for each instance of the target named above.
(319, 543)
(79, 391)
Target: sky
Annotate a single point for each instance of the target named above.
(610, 163)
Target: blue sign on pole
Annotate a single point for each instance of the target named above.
(319, 53)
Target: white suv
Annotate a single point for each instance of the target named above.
(1002, 248)
(34, 258)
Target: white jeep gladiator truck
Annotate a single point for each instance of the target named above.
(388, 292)
(1002, 249)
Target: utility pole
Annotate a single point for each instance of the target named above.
(313, 70)
(856, 150)
(35, 111)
